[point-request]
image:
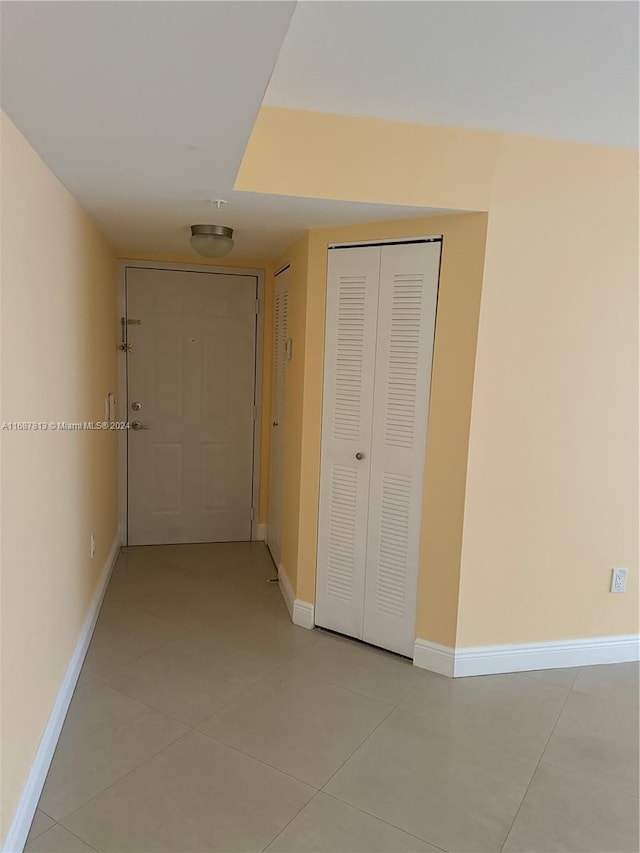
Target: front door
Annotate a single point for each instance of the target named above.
(191, 370)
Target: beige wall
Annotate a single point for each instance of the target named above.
(551, 497)
(297, 256)
(552, 492)
(454, 358)
(58, 362)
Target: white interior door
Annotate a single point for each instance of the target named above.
(190, 388)
(278, 412)
(381, 304)
(350, 345)
(406, 325)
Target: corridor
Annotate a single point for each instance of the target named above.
(204, 720)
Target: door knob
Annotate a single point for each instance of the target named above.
(359, 455)
(137, 425)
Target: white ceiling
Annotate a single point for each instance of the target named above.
(143, 109)
(561, 70)
(264, 225)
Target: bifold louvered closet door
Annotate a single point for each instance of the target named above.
(381, 305)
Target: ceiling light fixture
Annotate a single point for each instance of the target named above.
(212, 241)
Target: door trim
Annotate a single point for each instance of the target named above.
(391, 241)
(121, 407)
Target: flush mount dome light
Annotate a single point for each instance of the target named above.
(212, 241)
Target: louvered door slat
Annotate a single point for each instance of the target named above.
(350, 341)
(406, 322)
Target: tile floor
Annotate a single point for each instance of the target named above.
(205, 721)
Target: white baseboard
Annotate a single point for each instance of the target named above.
(286, 590)
(525, 657)
(260, 534)
(23, 817)
(434, 657)
(301, 612)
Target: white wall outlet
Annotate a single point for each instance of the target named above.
(618, 580)
(93, 546)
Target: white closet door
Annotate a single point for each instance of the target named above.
(350, 343)
(278, 412)
(406, 322)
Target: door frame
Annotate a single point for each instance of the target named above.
(121, 405)
(354, 244)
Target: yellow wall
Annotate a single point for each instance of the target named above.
(59, 352)
(298, 258)
(454, 358)
(293, 152)
(552, 492)
(551, 499)
(267, 267)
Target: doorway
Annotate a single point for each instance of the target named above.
(191, 339)
(280, 368)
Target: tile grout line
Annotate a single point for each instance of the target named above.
(357, 749)
(71, 832)
(359, 746)
(55, 822)
(120, 779)
(592, 779)
(193, 726)
(163, 645)
(66, 829)
(255, 758)
(278, 769)
(475, 735)
(192, 729)
(533, 775)
(189, 729)
(351, 754)
(382, 820)
(175, 740)
(247, 689)
(316, 790)
(279, 833)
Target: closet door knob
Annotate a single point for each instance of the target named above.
(359, 455)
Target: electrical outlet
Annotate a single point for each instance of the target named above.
(618, 580)
(93, 546)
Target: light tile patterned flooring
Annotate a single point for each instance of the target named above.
(205, 721)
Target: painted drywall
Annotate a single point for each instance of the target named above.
(551, 497)
(294, 152)
(59, 349)
(552, 491)
(297, 256)
(267, 267)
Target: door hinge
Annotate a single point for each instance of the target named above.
(257, 306)
(253, 513)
